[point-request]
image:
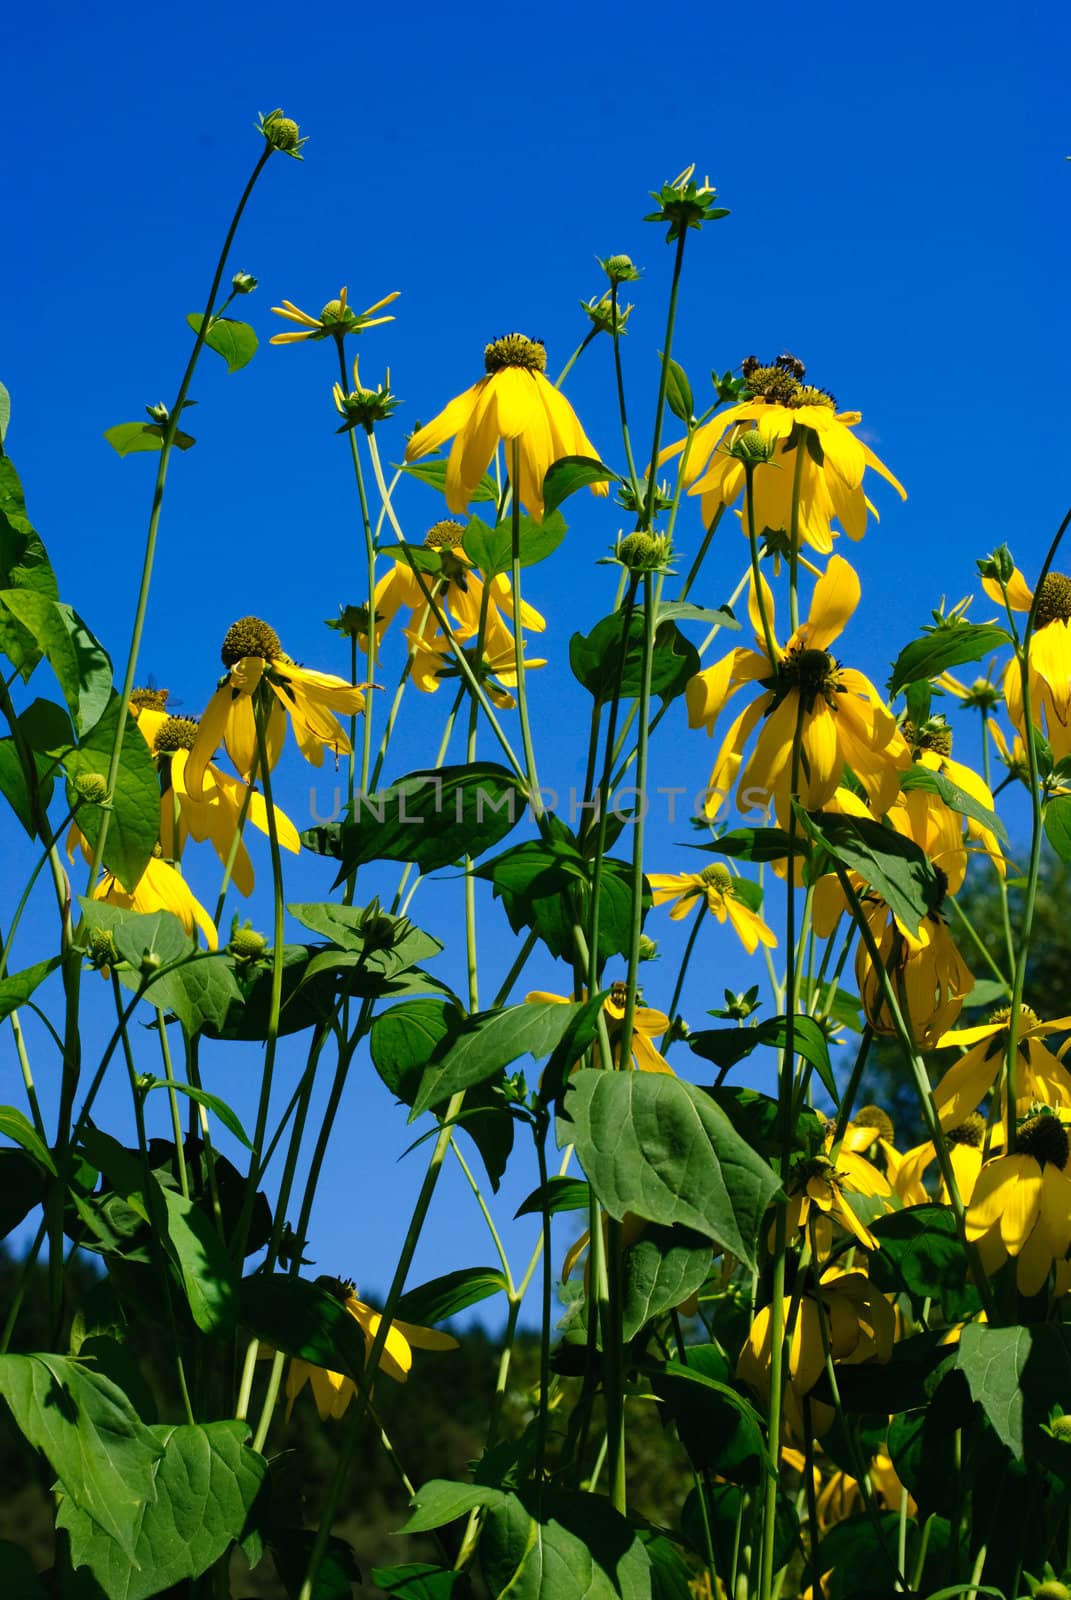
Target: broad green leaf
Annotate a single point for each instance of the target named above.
(678, 389)
(921, 1252)
(955, 798)
(17, 987)
(303, 1319)
(430, 562)
(724, 1046)
(568, 475)
(444, 1297)
(439, 1501)
(130, 438)
(403, 1040)
(684, 611)
(670, 1577)
(993, 1360)
(661, 1270)
(719, 1428)
(24, 565)
(808, 1041)
(945, 647)
(200, 993)
(429, 818)
(86, 1426)
(1057, 818)
(18, 1128)
(434, 472)
(22, 1186)
(491, 549)
(578, 1549)
(757, 1119)
(5, 412)
(486, 1042)
(135, 817)
(14, 788)
(347, 926)
(204, 1485)
(82, 667)
(827, 1000)
(235, 341)
(416, 1581)
(537, 880)
(860, 1558)
(150, 936)
(613, 652)
(719, 1520)
(560, 1194)
(203, 1263)
(211, 1102)
(894, 866)
(660, 1148)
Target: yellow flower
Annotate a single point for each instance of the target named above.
(840, 715)
(925, 817)
(717, 886)
(964, 1152)
(928, 975)
(1049, 659)
(513, 402)
(1021, 1205)
(313, 700)
(841, 1496)
(215, 813)
(333, 1391)
(335, 320)
(807, 433)
(860, 1326)
(820, 1184)
(1041, 1079)
(432, 660)
(160, 888)
(647, 1025)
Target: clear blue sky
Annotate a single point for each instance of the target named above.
(900, 220)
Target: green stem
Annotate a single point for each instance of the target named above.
(647, 510)
(668, 1036)
(172, 1095)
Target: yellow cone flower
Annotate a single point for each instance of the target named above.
(513, 402)
(334, 320)
(841, 1496)
(717, 886)
(929, 977)
(1021, 1205)
(160, 888)
(1049, 660)
(964, 1152)
(840, 715)
(313, 701)
(820, 1186)
(333, 1391)
(807, 434)
(925, 817)
(647, 1025)
(1041, 1079)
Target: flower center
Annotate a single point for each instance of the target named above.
(970, 1131)
(1028, 1017)
(177, 733)
(1054, 600)
(1045, 1138)
(149, 699)
(933, 734)
(802, 1173)
(514, 350)
(333, 311)
(782, 383)
(341, 1288)
(717, 876)
(874, 1117)
(445, 535)
(812, 673)
(250, 637)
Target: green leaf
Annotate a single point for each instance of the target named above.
(577, 1548)
(22, 1186)
(955, 798)
(201, 993)
(678, 389)
(82, 667)
(945, 647)
(290, 1552)
(571, 473)
(5, 412)
(757, 1119)
(613, 650)
(86, 1426)
(430, 818)
(15, 1126)
(488, 1041)
(146, 936)
(434, 472)
(416, 1581)
(491, 549)
(130, 438)
(661, 1270)
(303, 1319)
(534, 881)
(993, 1360)
(135, 816)
(24, 565)
(440, 1501)
(403, 1040)
(719, 1428)
(17, 987)
(894, 866)
(660, 1148)
(921, 1252)
(343, 925)
(724, 1046)
(14, 788)
(827, 1000)
(211, 1102)
(559, 1194)
(808, 1041)
(1057, 819)
(234, 341)
(444, 1297)
(204, 1485)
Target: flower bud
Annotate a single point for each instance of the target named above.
(644, 552)
(243, 283)
(648, 948)
(246, 944)
(92, 787)
(751, 446)
(619, 269)
(282, 133)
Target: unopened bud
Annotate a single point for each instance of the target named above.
(644, 552)
(243, 283)
(648, 948)
(92, 787)
(246, 944)
(751, 446)
(619, 269)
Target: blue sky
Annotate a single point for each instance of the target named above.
(899, 200)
